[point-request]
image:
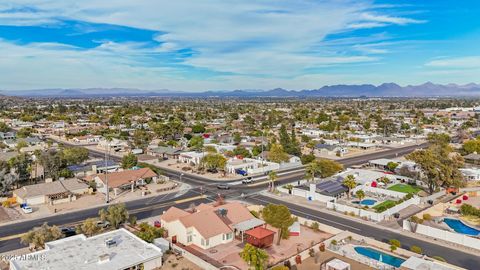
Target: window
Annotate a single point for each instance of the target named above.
(189, 238)
(203, 242)
(207, 242)
(229, 236)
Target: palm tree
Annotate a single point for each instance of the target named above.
(350, 183)
(360, 194)
(313, 169)
(272, 176)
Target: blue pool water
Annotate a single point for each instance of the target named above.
(461, 227)
(375, 254)
(368, 202)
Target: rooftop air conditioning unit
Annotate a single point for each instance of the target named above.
(110, 243)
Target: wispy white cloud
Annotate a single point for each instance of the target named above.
(455, 62)
(272, 39)
(379, 18)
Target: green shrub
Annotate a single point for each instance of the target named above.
(469, 210)
(315, 226)
(438, 258)
(427, 217)
(416, 249)
(395, 242)
(416, 219)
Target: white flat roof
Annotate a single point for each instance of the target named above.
(82, 253)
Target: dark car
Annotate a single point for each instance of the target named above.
(67, 232)
(223, 186)
(241, 172)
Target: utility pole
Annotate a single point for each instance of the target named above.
(107, 198)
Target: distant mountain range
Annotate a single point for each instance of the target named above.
(384, 90)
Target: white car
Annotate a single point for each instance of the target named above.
(27, 209)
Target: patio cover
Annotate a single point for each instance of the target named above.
(338, 265)
(248, 224)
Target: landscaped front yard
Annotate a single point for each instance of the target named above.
(404, 188)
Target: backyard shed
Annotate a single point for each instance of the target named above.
(260, 237)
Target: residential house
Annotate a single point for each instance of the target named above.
(331, 150)
(164, 152)
(113, 250)
(470, 174)
(208, 226)
(55, 192)
(128, 179)
(87, 139)
(114, 145)
(314, 133)
(472, 158)
(193, 158)
(94, 167)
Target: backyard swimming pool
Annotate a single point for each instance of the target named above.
(379, 256)
(461, 227)
(368, 202)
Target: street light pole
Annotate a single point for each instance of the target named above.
(107, 199)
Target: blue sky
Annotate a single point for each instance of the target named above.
(236, 44)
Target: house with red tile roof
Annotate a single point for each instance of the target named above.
(208, 226)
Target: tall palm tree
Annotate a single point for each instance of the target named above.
(272, 176)
(313, 169)
(350, 183)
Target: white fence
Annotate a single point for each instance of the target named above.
(373, 215)
(380, 191)
(196, 260)
(308, 194)
(453, 237)
(264, 169)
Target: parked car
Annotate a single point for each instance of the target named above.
(247, 180)
(241, 172)
(223, 186)
(157, 224)
(67, 232)
(27, 209)
(103, 224)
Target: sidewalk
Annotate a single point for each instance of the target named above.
(318, 207)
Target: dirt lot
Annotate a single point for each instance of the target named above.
(174, 262)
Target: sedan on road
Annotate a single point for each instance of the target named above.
(247, 180)
(223, 186)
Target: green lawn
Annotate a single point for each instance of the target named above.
(405, 188)
(384, 205)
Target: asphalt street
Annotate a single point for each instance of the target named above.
(452, 255)
(200, 186)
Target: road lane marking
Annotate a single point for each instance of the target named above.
(153, 207)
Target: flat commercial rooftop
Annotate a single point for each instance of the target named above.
(82, 253)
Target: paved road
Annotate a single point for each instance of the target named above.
(452, 255)
(208, 188)
(142, 208)
(390, 153)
